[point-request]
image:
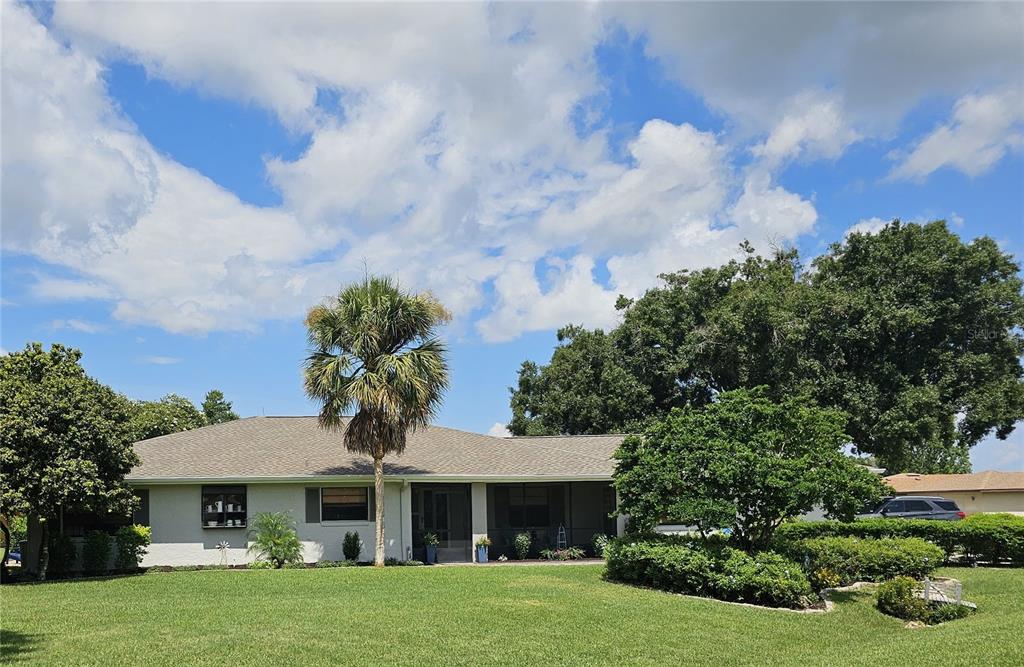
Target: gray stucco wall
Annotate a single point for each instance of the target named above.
(180, 539)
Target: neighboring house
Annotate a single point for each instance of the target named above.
(200, 488)
(988, 491)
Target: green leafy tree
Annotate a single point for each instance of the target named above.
(912, 332)
(744, 462)
(918, 337)
(65, 441)
(374, 349)
(585, 389)
(171, 414)
(216, 410)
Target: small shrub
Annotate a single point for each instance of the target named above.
(600, 542)
(898, 597)
(351, 545)
(394, 562)
(62, 554)
(327, 563)
(765, 578)
(839, 561)
(274, 539)
(96, 552)
(431, 539)
(568, 553)
(130, 546)
(522, 545)
(261, 565)
(295, 565)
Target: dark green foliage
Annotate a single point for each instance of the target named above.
(833, 561)
(913, 333)
(131, 542)
(64, 440)
(296, 565)
(744, 462)
(96, 550)
(62, 553)
(217, 410)
(522, 545)
(170, 414)
(600, 543)
(351, 545)
(394, 562)
(273, 539)
(724, 573)
(993, 538)
(567, 553)
(584, 389)
(898, 598)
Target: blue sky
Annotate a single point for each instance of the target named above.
(182, 181)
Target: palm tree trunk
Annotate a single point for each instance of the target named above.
(378, 495)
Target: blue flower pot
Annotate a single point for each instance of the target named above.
(481, 554)
(431, 554)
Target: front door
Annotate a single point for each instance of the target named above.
(444, 510)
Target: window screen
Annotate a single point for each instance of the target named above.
(345, 504)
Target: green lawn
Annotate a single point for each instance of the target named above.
(509, 615)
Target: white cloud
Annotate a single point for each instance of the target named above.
(452, 157)
(499, 430)
(867, 226)
(161, 360)
(74, 324)
(981, 131)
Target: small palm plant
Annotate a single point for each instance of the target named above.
(374, 349)
(273, 539)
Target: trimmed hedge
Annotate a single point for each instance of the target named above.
(993, 538)
(839, 561)
(682, 566)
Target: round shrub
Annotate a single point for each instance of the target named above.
(897, 598)
(273, 539)
(764, 578)
(131, 542)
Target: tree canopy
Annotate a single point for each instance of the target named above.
(170, 414)
(912, 332)
(217, 410)
(65, 439)
(744, 462)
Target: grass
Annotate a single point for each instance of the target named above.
(450, 615)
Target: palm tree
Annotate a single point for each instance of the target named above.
(374, 350)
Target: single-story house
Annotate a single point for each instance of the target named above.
(200, 488)
(988, 491)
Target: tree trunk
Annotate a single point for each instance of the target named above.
(378, 495)
(44, 547)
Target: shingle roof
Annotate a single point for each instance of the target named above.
(988, 480)
(296, 447)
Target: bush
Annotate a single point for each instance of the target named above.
(568, 553)
(274, 540)
(62, 554)
(96, 552)
(600, 542)
(988, 537)
(261, 565)
(391, 561)
(294, 565)
(522, 545)
(898, 598)
(839, 561)
(685, 566)
(351, 545)
(130, 546)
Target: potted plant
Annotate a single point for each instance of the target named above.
(430, 541)
(481, 548)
